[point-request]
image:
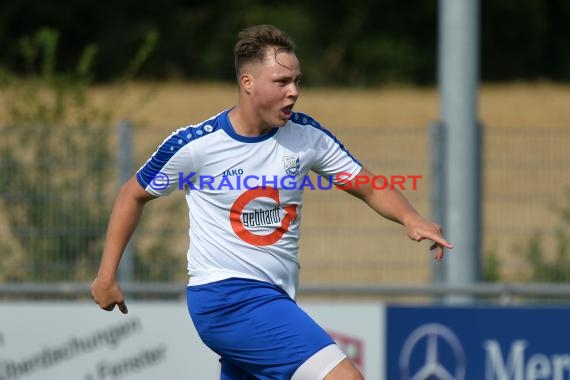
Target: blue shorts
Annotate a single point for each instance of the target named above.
(256, 328)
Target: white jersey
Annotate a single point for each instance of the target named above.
(245, 193)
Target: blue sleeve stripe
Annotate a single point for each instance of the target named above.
(170, 146)
(164, 153)
(303, 119)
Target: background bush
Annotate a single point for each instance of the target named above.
(339, 43)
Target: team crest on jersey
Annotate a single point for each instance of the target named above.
(292, 164)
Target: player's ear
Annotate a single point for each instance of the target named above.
(246, 81)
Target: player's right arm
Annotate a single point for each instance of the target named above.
(124, 219)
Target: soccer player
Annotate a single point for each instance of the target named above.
(241, 171)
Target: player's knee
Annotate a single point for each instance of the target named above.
(319, 366)
(345, 370)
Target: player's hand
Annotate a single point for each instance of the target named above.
(107, 294)
(419, 229)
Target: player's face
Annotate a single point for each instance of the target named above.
(275, 87)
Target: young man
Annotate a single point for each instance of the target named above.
(241, 171)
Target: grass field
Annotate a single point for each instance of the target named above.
(342, 240)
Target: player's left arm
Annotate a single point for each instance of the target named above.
(393, 205)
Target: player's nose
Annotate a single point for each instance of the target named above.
(293, 91)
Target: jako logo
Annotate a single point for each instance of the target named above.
(232, 172)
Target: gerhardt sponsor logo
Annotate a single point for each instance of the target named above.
(241, 221)
(429, 341)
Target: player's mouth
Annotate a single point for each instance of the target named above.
(287, 111)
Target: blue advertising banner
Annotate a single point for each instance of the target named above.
(477, 343)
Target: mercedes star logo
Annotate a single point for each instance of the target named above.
(435, 338)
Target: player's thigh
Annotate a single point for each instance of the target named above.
(229, 371)
(261, 330)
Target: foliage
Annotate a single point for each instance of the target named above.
(339, 42)
(552, 266)
(492, 266)
(55, 160)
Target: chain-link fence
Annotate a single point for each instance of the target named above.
(57, 186)
(55, 201)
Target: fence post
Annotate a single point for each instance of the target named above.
(458, 76)
(125, 169)
(437, 141)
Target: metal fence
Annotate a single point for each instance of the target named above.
(56, 196)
